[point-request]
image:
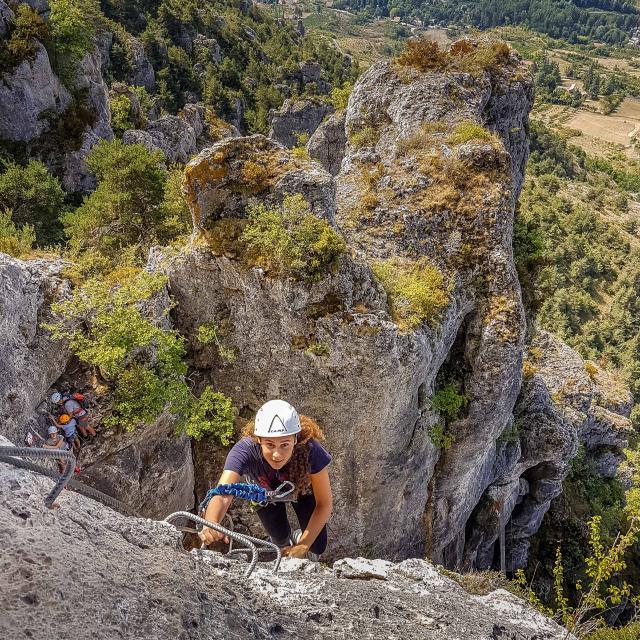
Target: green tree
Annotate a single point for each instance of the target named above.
(27, 27)
(72, 27)
(121, 114)
(36, 198)
(127, 213)
(14, 241)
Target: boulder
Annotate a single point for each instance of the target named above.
(209, 46)
(297, 117)
(220, 181)
(328, 142)
(180, 137)
(311, 71)
(28, 94)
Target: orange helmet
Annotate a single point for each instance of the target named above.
(64, 418)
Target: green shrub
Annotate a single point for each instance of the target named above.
(439, 437)
(105, 326)
(35, 197)
(212, 415)
(340, 97)
(417, 290)
(449, 402)
(136, 205)
(318, 349)
(21, 43)
(13, 241)
(466, 131)
(121, 114)
(365, 137)
(289, 239)
(207, 334)
(629, 632)
(72, 27)
(463, 55)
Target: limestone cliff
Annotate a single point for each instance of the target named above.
(432, 168)
(397, 493)
(429, 166)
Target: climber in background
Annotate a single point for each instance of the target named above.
(75, 406)
(68, 426)
(56, 441)
(280, 445)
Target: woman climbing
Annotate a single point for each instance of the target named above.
(280, 445)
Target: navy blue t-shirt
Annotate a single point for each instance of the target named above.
(246, 459)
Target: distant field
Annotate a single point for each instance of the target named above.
(599, 134)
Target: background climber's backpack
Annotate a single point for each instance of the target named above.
(80, 398)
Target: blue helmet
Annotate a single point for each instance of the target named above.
(56, 396)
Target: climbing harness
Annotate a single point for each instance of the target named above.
(254, 546)
(14, 455)
(254, 493)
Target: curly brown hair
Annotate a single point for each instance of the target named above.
(298, 465)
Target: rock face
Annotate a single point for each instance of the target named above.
(26, 94)
(180, 137)
(295, 118)
(6, 17)
(310, 71)
(410, 186)
(144, 585)
(29, 360)
(398, 195)
(142, 74)
(565, 403)
(372, 392)
(150, 470)
(88, 79)
(221, 180)
(327, 144)
(210, 46)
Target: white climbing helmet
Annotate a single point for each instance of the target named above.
(51, 430)
(276, 418)
(56, 396)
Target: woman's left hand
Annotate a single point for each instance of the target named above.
(296, 551)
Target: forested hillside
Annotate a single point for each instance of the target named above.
(611, 21)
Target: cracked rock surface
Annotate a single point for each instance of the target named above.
(84, 570)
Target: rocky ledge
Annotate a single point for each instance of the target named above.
(84, 570)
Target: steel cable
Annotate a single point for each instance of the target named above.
(251, 542)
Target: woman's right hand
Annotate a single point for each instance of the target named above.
(209, 536)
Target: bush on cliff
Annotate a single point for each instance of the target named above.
(134, 207)
(35, 197)
(289, 239)
(417, 291)
(72, 27)
(21, 45)
(628, 632)
(109, 324)
(14, 241)
(463, 55)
